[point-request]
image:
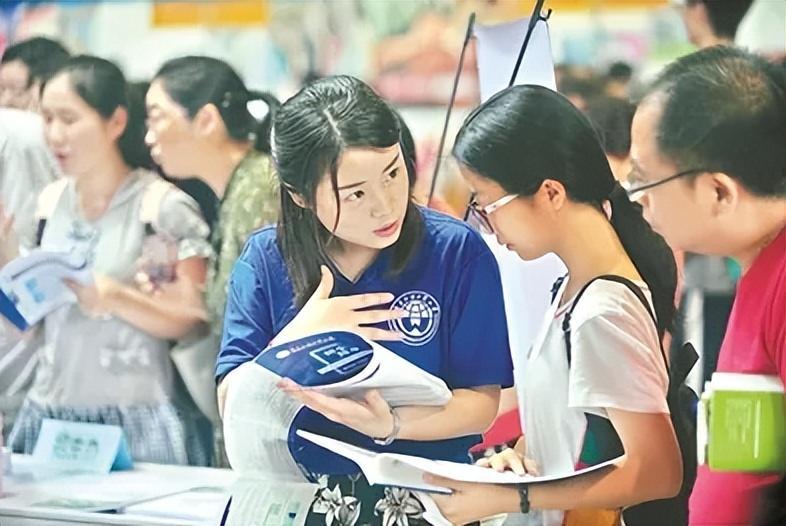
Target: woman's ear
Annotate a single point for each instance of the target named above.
(117, 122)
(552, 193)
(207, 120)
(297, 199)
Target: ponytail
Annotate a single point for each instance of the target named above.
(652, 257)
(524, 134)
(132, 145)
(195, 81)
(263, 127)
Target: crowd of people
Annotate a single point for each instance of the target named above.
(212, 235)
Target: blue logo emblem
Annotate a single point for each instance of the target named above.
(422, 321)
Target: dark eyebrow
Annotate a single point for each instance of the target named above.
(353, 185)
(388, 167)
(393, 162)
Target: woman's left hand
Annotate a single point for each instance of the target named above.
(95, 298)
(370, 416)
(472, 502)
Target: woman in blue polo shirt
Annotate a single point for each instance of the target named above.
(348, 227)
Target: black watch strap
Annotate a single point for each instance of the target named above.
(524, 498)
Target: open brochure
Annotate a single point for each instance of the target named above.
(406, 471)
(258, 415)
(31, 286)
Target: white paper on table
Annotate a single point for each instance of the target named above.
(99, 492)
(270, 502)
(498, 49)
(199, 506)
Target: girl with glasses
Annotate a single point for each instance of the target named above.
(542, 184)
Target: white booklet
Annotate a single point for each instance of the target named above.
(31, 286)
(344, 364)
(406, 471)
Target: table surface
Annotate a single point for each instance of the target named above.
(179, 495)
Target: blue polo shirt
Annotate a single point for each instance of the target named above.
(455, 330)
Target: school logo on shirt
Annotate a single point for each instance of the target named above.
(422, 321)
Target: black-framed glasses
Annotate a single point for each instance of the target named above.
(637, 192)
(479, 215)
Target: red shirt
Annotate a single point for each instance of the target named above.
(755, 342)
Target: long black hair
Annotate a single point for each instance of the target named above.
(194, 81)
(310, 132)
(102, 86)
(724, 110)
(526, 134)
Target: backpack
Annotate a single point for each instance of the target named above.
(194, 355)
(148, 211)
(602, 438)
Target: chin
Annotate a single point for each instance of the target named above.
(527, 255)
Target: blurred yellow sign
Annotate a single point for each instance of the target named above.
(219, 13)
(585, 5)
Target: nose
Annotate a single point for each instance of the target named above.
(382, 202)
(150, 137)
(54, 133)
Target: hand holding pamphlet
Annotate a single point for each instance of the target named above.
(32, 286)
(345, 365)
(258, 415)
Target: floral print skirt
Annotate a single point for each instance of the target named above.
(349, 500)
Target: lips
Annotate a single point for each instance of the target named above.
(387, 230)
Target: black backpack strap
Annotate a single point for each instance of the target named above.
(635, 289)
(39, 231)
(556, 286)
(46, 203)
(569, 314)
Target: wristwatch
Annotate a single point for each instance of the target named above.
(386, 441)
(523, 498)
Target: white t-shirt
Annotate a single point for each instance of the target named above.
(616, 362)
(26, 164)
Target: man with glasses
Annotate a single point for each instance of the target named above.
(710, 173)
